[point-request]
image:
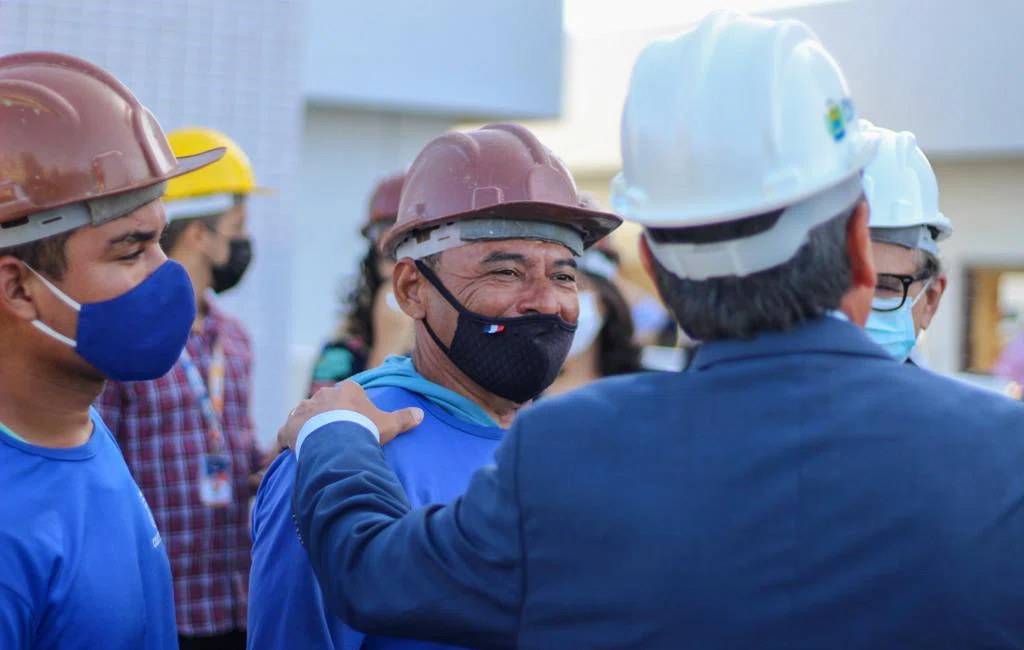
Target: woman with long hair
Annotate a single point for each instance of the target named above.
(373, 326)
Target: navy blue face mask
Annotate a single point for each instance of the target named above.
(515, 358)
(138, 335)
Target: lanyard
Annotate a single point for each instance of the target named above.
(209, 393)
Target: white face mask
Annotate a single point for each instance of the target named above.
(588, 325)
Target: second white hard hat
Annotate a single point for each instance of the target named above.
(903, 194)
(739, 117)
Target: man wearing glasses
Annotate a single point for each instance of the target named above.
(906, 226)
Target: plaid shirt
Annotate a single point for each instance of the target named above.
(162, 432)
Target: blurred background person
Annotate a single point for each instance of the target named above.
(652, 324)
(373, 326)
(906, 227)
(187, 437)
(604, 343)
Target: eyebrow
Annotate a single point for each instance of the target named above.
(501, 256)
(132, 237)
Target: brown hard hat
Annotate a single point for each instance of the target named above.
(73, 134)
(383, 206)
(498, 171)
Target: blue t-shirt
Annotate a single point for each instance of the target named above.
(434, 462)
(82, 565)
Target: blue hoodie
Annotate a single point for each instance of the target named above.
(434, 462)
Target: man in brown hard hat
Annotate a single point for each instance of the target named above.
(86, 295)
(488, 231)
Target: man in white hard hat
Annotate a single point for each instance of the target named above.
(795, 488)
(906, 227)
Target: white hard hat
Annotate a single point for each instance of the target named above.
(739, 117)
(903, 193)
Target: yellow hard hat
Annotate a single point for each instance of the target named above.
(211, 189)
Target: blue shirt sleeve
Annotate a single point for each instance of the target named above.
(286, 607)
(448, 574)
(16, 624)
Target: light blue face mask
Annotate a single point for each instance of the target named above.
(894, 330)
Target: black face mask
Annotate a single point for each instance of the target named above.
(515, 358)
(230, 274)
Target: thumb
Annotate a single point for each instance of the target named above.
(399, 422)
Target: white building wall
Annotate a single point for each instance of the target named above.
(344, 153)
(472, 58)
(233, 65)
(983, 199)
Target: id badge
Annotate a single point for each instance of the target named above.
(215, 480)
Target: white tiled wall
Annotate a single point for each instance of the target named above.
(344, 153)
(234, 65)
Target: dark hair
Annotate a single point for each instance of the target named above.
(806, 287)
(47, 256)
(176, 228)
(928, 265)
(359, 301)
(617, 352)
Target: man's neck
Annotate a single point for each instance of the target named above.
(578, 371)
(436, 367)
(43, 406)
(202, 279)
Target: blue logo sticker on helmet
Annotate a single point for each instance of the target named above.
(838, 116)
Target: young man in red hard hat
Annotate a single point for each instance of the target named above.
(86, 295)
(488, 231)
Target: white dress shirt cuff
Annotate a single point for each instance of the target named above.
(316, 422)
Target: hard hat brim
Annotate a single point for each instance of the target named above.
(191, 163)
(693, 214)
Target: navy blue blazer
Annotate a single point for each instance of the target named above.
(800, 490)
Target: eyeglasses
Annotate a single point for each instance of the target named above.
(892, 289)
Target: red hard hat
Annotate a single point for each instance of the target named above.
(72, 133)
(383, 206)
(500, 170)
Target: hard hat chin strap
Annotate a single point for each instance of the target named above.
(758, 252)
(424, 244)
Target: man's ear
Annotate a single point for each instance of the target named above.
(16, 287)
(409, 286)
(858, 249)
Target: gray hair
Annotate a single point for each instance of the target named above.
(928, 265)
(806, 287)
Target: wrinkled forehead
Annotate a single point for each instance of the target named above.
(524, 252)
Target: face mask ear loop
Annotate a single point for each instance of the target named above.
(924, 290)
(43, 327)
(57, 292)
(436, 282)
(441, 289)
